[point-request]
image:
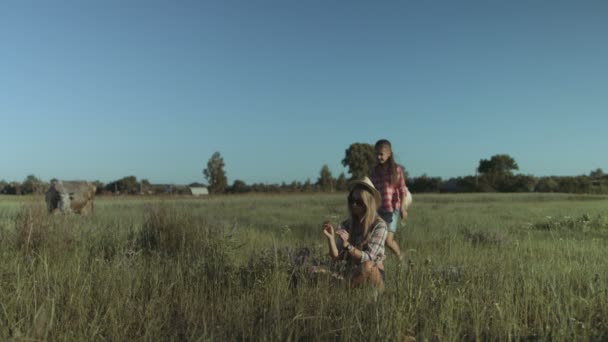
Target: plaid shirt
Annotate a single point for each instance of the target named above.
(392, 195)
(373, 248)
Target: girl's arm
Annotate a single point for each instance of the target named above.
(402, 189)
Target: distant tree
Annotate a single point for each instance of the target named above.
(215, 174)
(307, 186)
(568, 184)
(99, 186)
(256, 187)
(3, 185)
(273, 188)
(239, 187)
(145, 186)
(517, 183)
(598, 173)
(160, 189)
(495, 171)
(13, 188)
(500, 164)
(547, 184)
(341, 183)
(583, 185)
(325, 180)
(424, 183)
(295, 186)
(467, 183)
(130, 185)
(459, 184)
(31, 185)
(359, 158)
(125, 185)
(181, 190)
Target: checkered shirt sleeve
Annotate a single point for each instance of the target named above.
(375, 250)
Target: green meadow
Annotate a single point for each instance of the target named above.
(479, 267)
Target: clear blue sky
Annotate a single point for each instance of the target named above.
(99, 90)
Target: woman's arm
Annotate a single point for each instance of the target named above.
(375, 246)
(403, 193)
(330, 234)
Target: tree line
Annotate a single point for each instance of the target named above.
(495, 174)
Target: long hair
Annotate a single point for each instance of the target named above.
(392, 165)
(370, 215)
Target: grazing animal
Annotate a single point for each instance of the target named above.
(71, 196)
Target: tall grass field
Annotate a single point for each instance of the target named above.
(479, 267)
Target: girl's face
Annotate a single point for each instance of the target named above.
(383, 153)
(356, 204)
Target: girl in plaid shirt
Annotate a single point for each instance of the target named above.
(360, 239)
(388, 178)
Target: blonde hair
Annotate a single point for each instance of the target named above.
(370, 216)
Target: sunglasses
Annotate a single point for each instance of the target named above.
(356, 201)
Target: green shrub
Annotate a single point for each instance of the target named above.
(483, 237)
(582, 223)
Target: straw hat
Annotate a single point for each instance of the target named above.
(367, 184)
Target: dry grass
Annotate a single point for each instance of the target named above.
(223, 269)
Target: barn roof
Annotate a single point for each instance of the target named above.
(198, 191)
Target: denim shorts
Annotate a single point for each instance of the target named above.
(391, 219)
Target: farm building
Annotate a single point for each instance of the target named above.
(199, 191)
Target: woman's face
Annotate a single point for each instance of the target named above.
(356, 204)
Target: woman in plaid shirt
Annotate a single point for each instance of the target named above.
(360, 239)
(388, 178)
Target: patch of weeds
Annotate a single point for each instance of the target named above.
(167, 231)
(32, 226)
(36, 231)
(106, 245)
(484, 237)
(583, 223)
(216, 270)
(449, 274)
(292, 262)
(259, 269)
(170, 233)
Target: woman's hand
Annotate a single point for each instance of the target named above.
(343, 235)
(328, 230)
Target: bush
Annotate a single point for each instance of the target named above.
(165, 231)
(483, 237)
(178, 234)
(38, 232)
(582, 223)
(32, 227)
